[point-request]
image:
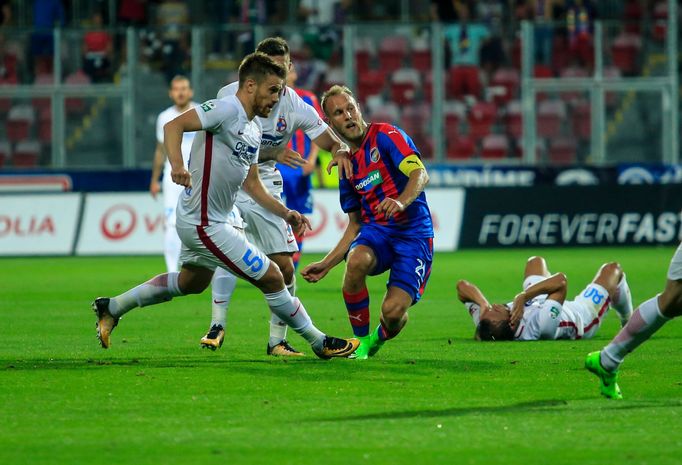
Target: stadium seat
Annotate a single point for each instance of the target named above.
(573, 72)
(461, 148)
(364, 53)
(387, 113)
(404, 83)
(660, 22)
(624, 52)
(334, 76)
(542, 72)
(19, 122)
(562, 151)
(73, 105)
(560, 54)
(427, 86)
(513, 119)
(5, 152)
(392, 52)
(463, 80)
(633, 17)
(454, 113)
(481, 119)
(495, 146)
(26, 154)
(508, 79)
(415, 118)
(371, 83)
(43, 80)
(550, 115)
(421, 56)
(581, 120)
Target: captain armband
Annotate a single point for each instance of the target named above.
(410, 163)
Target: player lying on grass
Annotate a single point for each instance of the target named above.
(647, 319)
(389, 224)
(541, 311)
(224, 158)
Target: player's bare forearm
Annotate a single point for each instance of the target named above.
(172, 136)
(468, 292)
(336, 255)
(157, 166)
(255, 188)
(415, 185)
(555, 287)
(339, 150)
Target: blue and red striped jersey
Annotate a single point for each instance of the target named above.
(376, 176)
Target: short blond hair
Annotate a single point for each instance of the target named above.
(336, 89)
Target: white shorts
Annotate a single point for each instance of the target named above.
(590, 306)
(675, 269)
(265, 229)
(221, 245)
(171, 194)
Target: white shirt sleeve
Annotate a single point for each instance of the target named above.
(547, 319)
(307, 118)
(213, 113)
(160, 122)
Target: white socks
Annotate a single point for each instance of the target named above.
(161, 288)
(622, 301)
(644, 323)
(290, 310)
(222, 288)
(278, 328)
(171, 248)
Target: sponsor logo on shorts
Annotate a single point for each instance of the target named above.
(374, 178)
(554, 311)
(420, 269)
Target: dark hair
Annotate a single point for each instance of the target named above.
(273, 46)
(495, 330)
(258, 66)
(178, 78)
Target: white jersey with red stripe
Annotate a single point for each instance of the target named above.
(581, 317)
(220, 160)
(288, 115)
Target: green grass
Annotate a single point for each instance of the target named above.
(433, 395)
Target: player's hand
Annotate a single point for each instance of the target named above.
(389, 207)
(298, 222)
(517, 309)
(315, 272)
(342, 161)
(181, 176)
(154, 188)
(291, 158)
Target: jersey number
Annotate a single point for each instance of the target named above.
(594, 295)
(255, 262)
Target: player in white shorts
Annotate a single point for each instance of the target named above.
(181, 94)
(541, 310)
(264, 229)
(224, 158)
(647, 319)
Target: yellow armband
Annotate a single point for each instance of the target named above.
(410, 163)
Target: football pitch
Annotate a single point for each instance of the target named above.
(431, 396)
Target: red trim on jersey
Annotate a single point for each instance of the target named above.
(208, 155)
(599, 315)
(215, 250)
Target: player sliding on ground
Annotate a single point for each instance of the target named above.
(647, 319)
(224, 158)
(389, 221)
(541, 311)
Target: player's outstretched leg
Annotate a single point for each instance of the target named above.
(161, 288)
(222, 288)
(294, 314)
(612, 278)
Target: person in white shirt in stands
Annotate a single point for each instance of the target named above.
(264, 229)
(181, 94)
(541, 310)
(224, 158)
